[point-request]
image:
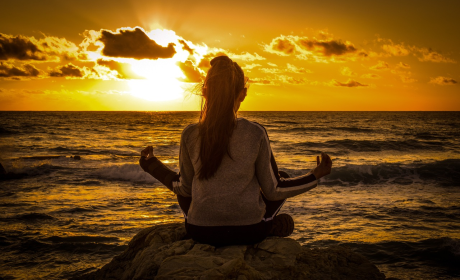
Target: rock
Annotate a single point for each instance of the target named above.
(76, 157)
(10, 175)
(2, 170)
(160, 253)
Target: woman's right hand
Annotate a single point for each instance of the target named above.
(147, 152)
(323, 167)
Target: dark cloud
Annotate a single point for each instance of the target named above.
(186, 47)
(349, 83)
(133, 43)
(327, 48)
(19, 47)
(430, 55)
(283, 46)
(191, 72)
(443, 81)
(8, 70)
(123, 69)
(68, 70)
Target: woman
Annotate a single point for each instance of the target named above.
(229, 187)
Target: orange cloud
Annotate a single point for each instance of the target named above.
(291, 80)
(133, 43)
(282, 45)
(250, 66)
(433, 56)
(123, 69)
(261, 81)
(404, 76)
(370, 76)
(443, 81)
(403, 65)
(346, 71)
(191, 72)
(298, 70)
(381, 65)
(396, 49)
(349, 83)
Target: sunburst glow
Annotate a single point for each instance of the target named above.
(160, 83)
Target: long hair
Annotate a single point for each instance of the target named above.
(221, 88)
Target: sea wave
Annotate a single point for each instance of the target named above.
(374, 145)
(444, 173)
(124, 172)
(20, 171)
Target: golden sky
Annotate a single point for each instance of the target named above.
(299, 55)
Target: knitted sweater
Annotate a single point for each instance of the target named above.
(233, 195)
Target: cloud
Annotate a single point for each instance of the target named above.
(433, 56)
(11, 71)
(191, 72)
(298, 70)
(325, 49)
(19, 47)
(396, 49)
(291, 80)
(403, 65)
(346, 71)
(289, 69)
(404, 76)
(205, 64)
(282, 45)
(443, 81)
(271, 70)
(349, 83)
(272, 64)
(186, 47)
(44, 49)
(133, 43)
(68, 70)
(246, 56)
(124, 70)
(251, 66)
(370, 76)
(261, 81)
(381, 65)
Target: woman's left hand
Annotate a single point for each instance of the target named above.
(147, 152)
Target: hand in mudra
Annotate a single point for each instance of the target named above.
(147, 152)
(323, 167)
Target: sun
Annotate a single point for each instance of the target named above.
(161, 80)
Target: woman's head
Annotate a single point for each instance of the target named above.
(223, 90)
(224, 86)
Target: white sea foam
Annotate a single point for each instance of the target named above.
(125, 172)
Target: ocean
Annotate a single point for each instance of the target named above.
(393, 194)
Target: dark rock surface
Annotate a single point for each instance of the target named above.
(159, 253)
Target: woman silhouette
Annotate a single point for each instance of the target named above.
(229, 187)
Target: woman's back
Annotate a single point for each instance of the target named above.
(232, 195)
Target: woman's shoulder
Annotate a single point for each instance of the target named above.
(252, 125)
(189, 128)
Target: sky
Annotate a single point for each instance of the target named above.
(146, 55)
